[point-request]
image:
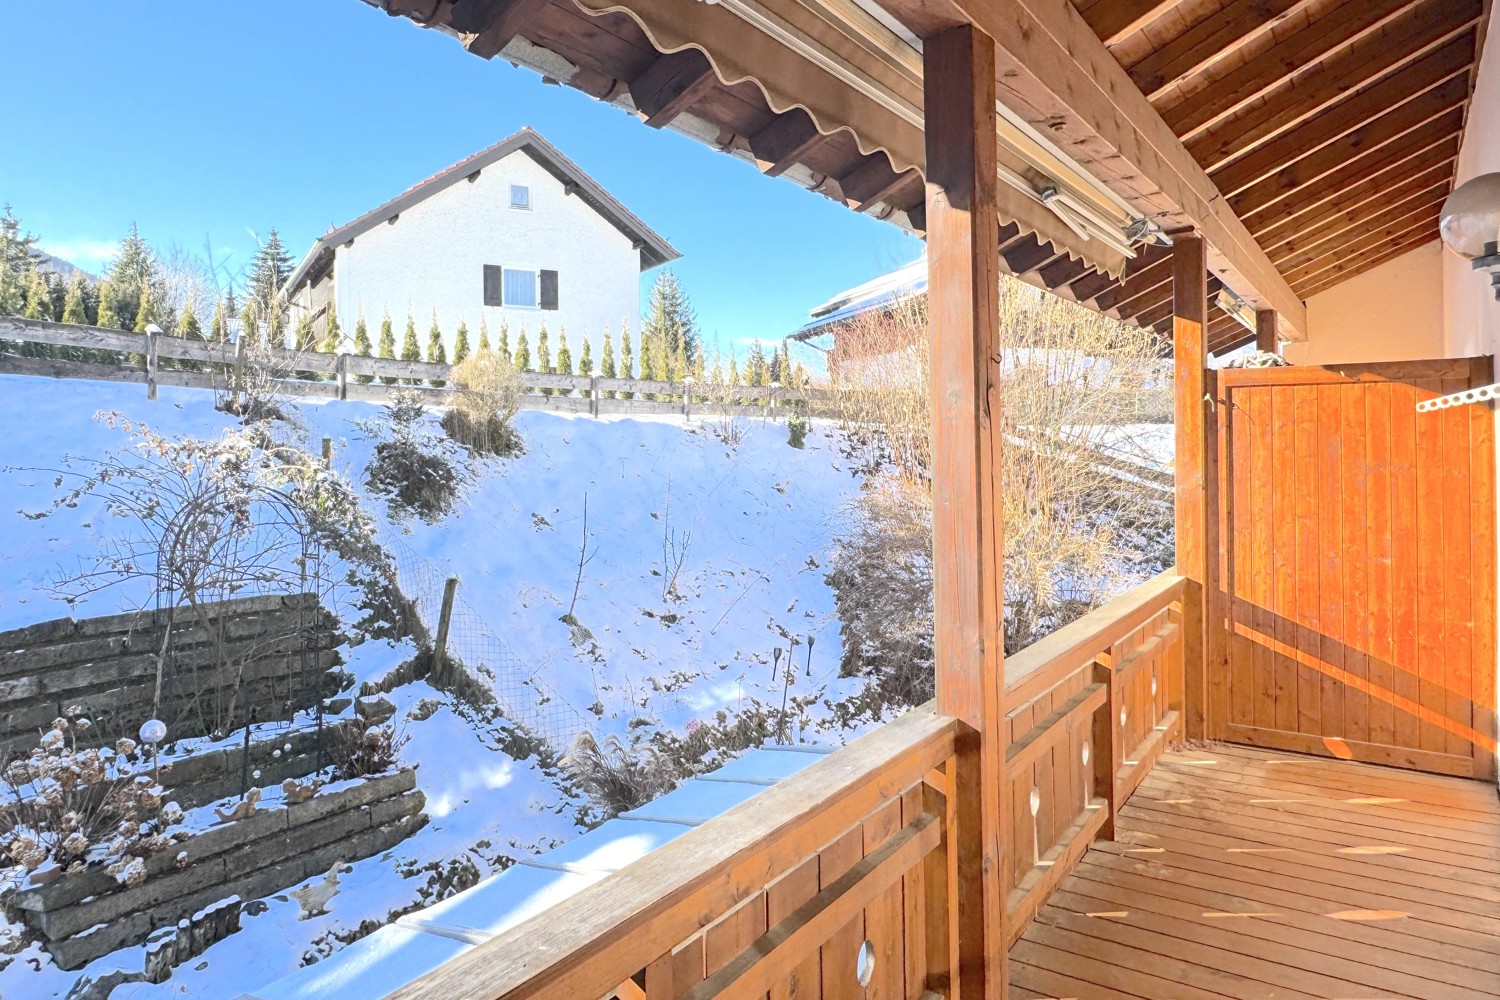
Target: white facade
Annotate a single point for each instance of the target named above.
(429, 250)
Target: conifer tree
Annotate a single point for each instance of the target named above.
(564, 357)
(799, 376)
(250, 323)
(362, 346)
(543, 355)
(757, 371)
(734, 371)
(607, 363)
(503, 344)
(410, 350)
(484, 335)
(188, 328)
(75, 311)
(698, 368)
(12, 293)
(387, 345)
(782, 365)
(461, 341)
(134, 270)
(436, 352)
(586, 362)
(716, 376)
(145, 312)
(670, 320)
(333, 334)
(269, 270)
(73, 308)
(218, 325)
(108, 315)
(523, 352)
(627, 363)
(38, 297)
(305, 341)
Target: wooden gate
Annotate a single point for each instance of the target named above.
(1357, 560)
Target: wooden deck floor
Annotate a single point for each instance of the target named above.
(1247, 873)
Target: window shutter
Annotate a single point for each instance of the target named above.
(549, 290)
(493, 286)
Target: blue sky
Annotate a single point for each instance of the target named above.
(216, 121)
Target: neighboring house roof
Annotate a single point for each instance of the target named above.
(886, 290)
(654, 249)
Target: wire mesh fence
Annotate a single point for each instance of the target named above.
(522, 695)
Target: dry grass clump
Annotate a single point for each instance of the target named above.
(376, 750)
(617, 777)
(486, 397)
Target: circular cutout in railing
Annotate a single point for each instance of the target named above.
(864, 964)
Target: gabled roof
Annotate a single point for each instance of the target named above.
(654, 249)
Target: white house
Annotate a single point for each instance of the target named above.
(515, 233)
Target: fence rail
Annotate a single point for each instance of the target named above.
(336, 376)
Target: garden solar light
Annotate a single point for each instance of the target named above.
(1470, 224)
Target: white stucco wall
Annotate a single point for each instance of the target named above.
(1393, 312)
(433, 256)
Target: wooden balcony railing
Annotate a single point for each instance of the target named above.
(841, 878)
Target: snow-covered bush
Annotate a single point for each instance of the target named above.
(486, 397)
(415, 469)
(67, 807)
(796, 430)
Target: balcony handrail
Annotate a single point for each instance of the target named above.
(590, 943)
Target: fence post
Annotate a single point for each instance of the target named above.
(593, 397)
(239, 367)
(150, 364)
(341, 369)
(328, 453)
(440, 644)
(687, 398)
(1105, 742)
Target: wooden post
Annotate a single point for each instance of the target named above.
(341, 369)
(687, 400)
(440, 644)
(1190, 409)
(963, 232)
(1106, 744)
(239, 365)
(594, 396)
(1267, 331)
(151, 364)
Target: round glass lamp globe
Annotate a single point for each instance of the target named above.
(1471, 215)
(153, 731)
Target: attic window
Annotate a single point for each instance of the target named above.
(520, 197)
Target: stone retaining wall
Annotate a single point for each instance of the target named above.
(84, 916)
(280, 648)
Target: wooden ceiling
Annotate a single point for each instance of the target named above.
(1331, 126)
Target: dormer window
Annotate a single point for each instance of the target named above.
(520, 197)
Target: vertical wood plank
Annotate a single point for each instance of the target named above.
(1430, 511)
(963, 232)
(838, 955)
(1330, 561)
(1284, 587)
(1255, 421)
(1380, 583)
(782, 898)
(1458, 585)
(1356, 557)
(1482, 518)
(1309, 683)
(1237, 691)
(1406, 680)
(1192, 475)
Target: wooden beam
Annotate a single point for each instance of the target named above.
(1193, 472)
(968, 594)
(1433, 184)
(1026, 253)
(1397, 219)
(1059, 76)
(1427, 52)
(1334, 169)
(1357, 267)
(1280, 63)
(1233, 26)
(784, 141)
(1287, 220)
(1115, 20)
(1267, 336)
(1091, 286)
(491, 25)
(873, 181)
(671, 85)
(1420, 229)
(1328, 132)
(1059, 274)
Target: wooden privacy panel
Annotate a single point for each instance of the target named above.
(1357, 565)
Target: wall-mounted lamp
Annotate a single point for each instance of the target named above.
(1470, 224)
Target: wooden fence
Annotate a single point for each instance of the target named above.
(841, 881)
(216, 365)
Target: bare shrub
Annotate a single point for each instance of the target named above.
(376, 750)
(487, 396)
(67, 808)
(618, 777)
(414, 468)
(1076, 525)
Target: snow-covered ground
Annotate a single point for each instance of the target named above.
(752, 522)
